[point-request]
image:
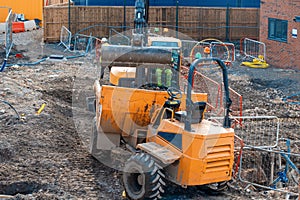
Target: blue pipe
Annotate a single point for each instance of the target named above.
(42, 60)
(77, 56)
(3, 65)
(7, 103)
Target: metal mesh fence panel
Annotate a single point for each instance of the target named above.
(254, 49)
(8, 33)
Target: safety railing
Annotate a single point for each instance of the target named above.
(264, 160)
(223, 50)
(83, 42)
(8, 33)
(6, 28)
(254, 49)
(198, 50)
(214, 90)
(187, 46)
(270, 169)
(214, 49)
(65, 38)
(117, 38)
(258, 131)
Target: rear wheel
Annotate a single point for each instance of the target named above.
(143, 178)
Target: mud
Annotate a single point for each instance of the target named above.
(42, 156)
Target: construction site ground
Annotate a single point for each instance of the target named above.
(44, 156)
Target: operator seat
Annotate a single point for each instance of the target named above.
(197, 109)
(173, 104)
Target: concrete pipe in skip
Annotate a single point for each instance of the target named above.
(137, 55)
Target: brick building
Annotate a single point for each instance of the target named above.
(280, 31)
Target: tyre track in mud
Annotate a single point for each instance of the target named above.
(47, 158)
(44, 156)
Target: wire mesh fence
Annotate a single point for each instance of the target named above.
(8, 33)
(213, 87)
(213, 48)
(119, 38)
(6, 39)
(258, 131)
(264, 160)
(255, 131)
(254, 49)
(272, 169)
(187, 46)
(65, 37)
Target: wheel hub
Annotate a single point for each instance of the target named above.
(140, 179)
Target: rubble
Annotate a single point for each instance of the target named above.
(42, 156)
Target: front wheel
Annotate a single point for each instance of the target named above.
(143, 178)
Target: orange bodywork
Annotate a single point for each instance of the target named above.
(125, 109)
(205, 154)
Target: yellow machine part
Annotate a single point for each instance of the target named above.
(127, 109)
(164, 41)
(206, 153)
(257, 63)
(121, 72)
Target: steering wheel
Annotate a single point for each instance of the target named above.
(174, 93)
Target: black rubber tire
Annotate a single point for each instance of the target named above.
(143, 178)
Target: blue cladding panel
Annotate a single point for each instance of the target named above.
(173, 138)
(198, 3)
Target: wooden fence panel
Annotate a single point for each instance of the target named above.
(55, 2)
(244, 23)
(198, 23)
(54, 19)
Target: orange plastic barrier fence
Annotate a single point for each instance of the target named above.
(18, 27)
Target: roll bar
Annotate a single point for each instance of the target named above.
(226, 122)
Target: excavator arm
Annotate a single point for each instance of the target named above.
(140, 22)
(141, 16)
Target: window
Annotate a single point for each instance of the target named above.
(278, 30)
(164, 44)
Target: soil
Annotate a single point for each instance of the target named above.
(43, 155)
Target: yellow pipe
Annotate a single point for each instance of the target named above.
(41, 108)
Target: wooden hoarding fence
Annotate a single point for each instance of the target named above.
(196, 22)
